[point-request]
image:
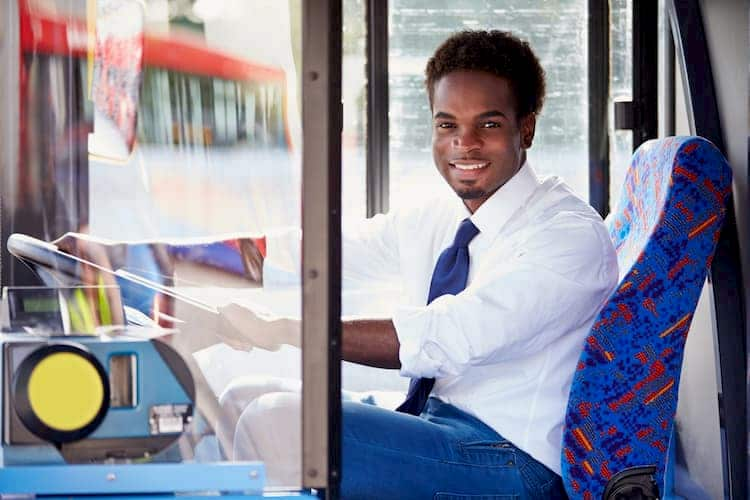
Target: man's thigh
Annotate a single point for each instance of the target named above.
(394, 455)
(268, 427)
(387, 454)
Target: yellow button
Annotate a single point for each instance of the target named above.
(65, 391)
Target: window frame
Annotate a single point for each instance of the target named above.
(687, 24)
(378, 147)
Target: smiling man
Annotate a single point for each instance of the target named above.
(480, 140)
(501, 285)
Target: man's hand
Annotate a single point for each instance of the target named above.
(243, 328)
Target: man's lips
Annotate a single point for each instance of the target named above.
(469, 164)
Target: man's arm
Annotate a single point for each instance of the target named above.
(371, 342)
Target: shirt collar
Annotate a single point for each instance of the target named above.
(492, 215)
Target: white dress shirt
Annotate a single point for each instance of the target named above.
(505, 349)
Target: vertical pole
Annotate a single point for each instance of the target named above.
(377, 107)
(667, 74)
(598, 67)
(645, 71)
(321, 245)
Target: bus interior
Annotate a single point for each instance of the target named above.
(184, 137)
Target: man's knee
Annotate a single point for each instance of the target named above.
(237, 396)
(242, 391)
(272, 405)
(269, 425)
(270, 430)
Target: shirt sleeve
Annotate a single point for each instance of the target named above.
(370, 252)
(554, 284)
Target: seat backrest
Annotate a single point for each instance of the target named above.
(624, 393)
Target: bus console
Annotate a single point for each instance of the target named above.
(108, 411)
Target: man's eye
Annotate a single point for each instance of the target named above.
(445, 125)
(490, 125)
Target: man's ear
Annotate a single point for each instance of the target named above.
(528, 127)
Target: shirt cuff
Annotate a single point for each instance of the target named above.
(417, 359)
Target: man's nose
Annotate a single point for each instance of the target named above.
(466, 139)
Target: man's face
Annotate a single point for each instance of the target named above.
(477, 141)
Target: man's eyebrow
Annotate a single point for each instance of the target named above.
(487, 114)
(491, 114)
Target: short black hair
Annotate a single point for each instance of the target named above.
(498, 52)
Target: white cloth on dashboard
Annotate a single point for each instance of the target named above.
(505, 349)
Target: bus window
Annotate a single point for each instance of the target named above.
(558, 35)
(354, 96)
(621, 87)
(560, 145)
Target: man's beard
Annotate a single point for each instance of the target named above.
(470, 193)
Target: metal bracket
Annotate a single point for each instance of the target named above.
(634, 483)
(624, 115)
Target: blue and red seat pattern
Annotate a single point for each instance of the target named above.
(624, 393)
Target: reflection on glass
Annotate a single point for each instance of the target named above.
(116, 76)
(557, 35)
(48, 194)
(214, 140)
(78, 310)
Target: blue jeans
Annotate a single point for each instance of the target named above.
(443, 454)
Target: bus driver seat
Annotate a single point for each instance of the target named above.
(623, 399)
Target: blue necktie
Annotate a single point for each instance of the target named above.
(449, 277)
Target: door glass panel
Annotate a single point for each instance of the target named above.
(203, 211)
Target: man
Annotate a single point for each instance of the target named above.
(501, 286)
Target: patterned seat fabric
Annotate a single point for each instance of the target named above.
(624, 393)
